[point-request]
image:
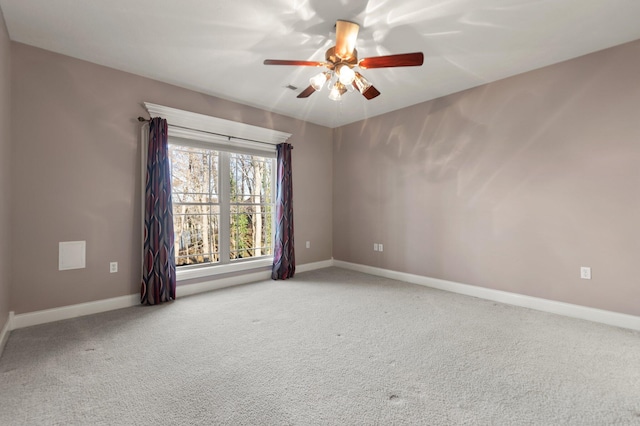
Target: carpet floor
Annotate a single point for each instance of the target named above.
(329, 347)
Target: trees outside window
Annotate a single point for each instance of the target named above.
(223, 205)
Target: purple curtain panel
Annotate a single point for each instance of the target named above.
(159, 265)
(284, 259)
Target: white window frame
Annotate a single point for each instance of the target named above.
(193, 129)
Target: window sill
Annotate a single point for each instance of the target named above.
(208, 271)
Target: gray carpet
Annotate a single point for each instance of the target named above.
(330, 347)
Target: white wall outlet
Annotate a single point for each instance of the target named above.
(375, 246)
(113, 267)
(380, 247)
(308, 244)
(585, 272)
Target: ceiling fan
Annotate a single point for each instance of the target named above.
(341, 60)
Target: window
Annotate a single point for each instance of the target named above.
(251, 205)
(223, 191)
(223, 204)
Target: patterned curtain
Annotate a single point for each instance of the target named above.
(284, 259)
(159, 265)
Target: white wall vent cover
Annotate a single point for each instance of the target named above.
(71, 255)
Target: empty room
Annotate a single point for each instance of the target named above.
(312, 212)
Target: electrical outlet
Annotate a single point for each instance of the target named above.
(113, 267)
(375, 246)
(380, 247)
(585, 272)
(308, 244)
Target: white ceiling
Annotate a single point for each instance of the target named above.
(218, 46)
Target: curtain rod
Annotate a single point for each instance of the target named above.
(144, 120)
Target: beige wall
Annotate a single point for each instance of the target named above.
(76, 174)
(512, 186)
(5, 147)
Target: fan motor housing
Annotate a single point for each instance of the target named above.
(334, 59)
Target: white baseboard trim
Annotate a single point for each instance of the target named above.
(4, 334)
(72, 311)
(315, 265)
(216, 284)
(574, 311)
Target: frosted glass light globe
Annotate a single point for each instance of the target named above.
(346, 75)
(317, 81)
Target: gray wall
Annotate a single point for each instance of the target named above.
(77, 174)
(5, 165)
(513, 185)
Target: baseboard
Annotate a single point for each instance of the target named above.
(72, 311)
(4, 334)
(545, 305)
(574, 311)
(89, 308)
(218, 283)
(315, 265)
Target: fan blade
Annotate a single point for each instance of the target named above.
(371, 93)
(367, 90)
(306, 92)
(346, 35)
(288, 62)
(401, 60)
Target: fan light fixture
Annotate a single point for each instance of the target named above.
(361, 83)
(345, 74)
(317, 81)
(339, 79)
(337, 91)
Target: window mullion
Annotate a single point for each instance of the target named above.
(225, 215)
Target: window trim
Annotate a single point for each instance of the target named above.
(215, 133)
(241, 132)
(201, 271)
